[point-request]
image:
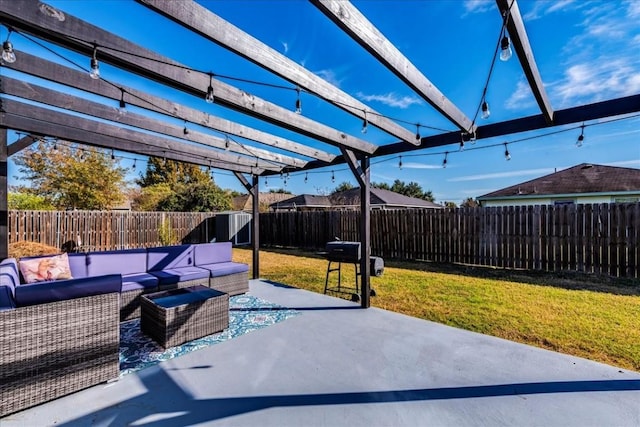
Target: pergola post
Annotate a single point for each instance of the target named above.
(254, 191)
(4, 194)
(362, 174)
(255, 226)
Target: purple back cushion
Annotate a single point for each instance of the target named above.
(126, 261)
(167, 257)
(78, 265)
(212, 253)
(44, 292)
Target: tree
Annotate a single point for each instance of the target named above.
(450, 205)
(412, 189)
(69, 176)
(171, 172)
(280, 191)
(469, 202)
(196, 197)
(148, 198)
(343, 186)
(23, 200)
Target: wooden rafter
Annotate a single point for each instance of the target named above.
(21, 144)
(204, 22)
(54, 98)
(520, 42)
(54, 72)
(359, 28)
(81, 36)
(42, 121)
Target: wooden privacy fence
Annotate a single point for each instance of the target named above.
(108, 230)
(598, 238)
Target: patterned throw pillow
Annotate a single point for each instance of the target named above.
(45, 268)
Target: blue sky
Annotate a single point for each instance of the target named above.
(586, 51)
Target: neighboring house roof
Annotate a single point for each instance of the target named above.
(245, 202)
(381, 197)
(581, 179)
(303, 200)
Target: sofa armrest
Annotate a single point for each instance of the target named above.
(9, 280)
(44, 292)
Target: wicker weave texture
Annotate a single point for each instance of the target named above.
(130, 304)
(176, 325)
(232, 284)
(50, 350)
(185, 284)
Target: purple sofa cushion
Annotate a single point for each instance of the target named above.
(40, 293)
(139, 281)
(127, 261)
(175, 275)
(9, 279)
(78, 265)
(168, 257)
(226, 268)
(211, 253)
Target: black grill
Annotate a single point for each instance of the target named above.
(343, 251)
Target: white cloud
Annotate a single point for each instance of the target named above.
(285, 47)
(624, 163)
(330, 76)
(559, 5)
(512, 174)
(477, 6)
(413, 165)
(634, 9)
(593, 81)
(392, 99)
(538, 8)
(521, 98)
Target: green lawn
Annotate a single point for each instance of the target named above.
(580, 315)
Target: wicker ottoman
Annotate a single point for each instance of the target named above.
(180, 315)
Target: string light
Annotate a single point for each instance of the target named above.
(365, 123)
(55, 144)
(298, 102)
(8, 55)
(505, 46)
(226, 142)
(580, 139)
(134, 164)
(113, 156)
(266, 182)
(95, 66)
(400, 163)
(485, 110)
(461, 145)
(418, 137)
(82, 154)
(507, 155)
(306, 177)
(185, 130)
(209, 97)
(164, 157)
(444, 162)
(333, 177)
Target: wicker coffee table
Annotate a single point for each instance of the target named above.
(180, 315)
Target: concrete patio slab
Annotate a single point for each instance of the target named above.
(339, 365)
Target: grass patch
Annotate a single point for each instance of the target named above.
(584, 315)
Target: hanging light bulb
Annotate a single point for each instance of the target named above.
(8, 55)
(95, 66)
(134, 164)
(418, 137)
(113, 156)
(365, 123)
(444, 162)
(122, 104)
(472, 137)
(306, 177)
(209, 98)
(461, 145)
(164, 157)
(185, 131)
(55, 144)
(82, 154)
(400, 163)
(333, 177)
(298, 102)
(266, 182)
(226, 142)
(507, 155)
(505, 46)
(485, 110)
(580, 139)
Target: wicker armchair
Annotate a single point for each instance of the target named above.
(53, 349)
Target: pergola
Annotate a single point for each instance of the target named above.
(39, 111)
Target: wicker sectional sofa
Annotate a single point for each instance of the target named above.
(61, 336)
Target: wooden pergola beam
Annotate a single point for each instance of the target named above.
(42, 121)
(202, 21)
(360, 29)
(520, 42)
(51, 97)
(54, 72)
(78, 35)
(22, 143)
